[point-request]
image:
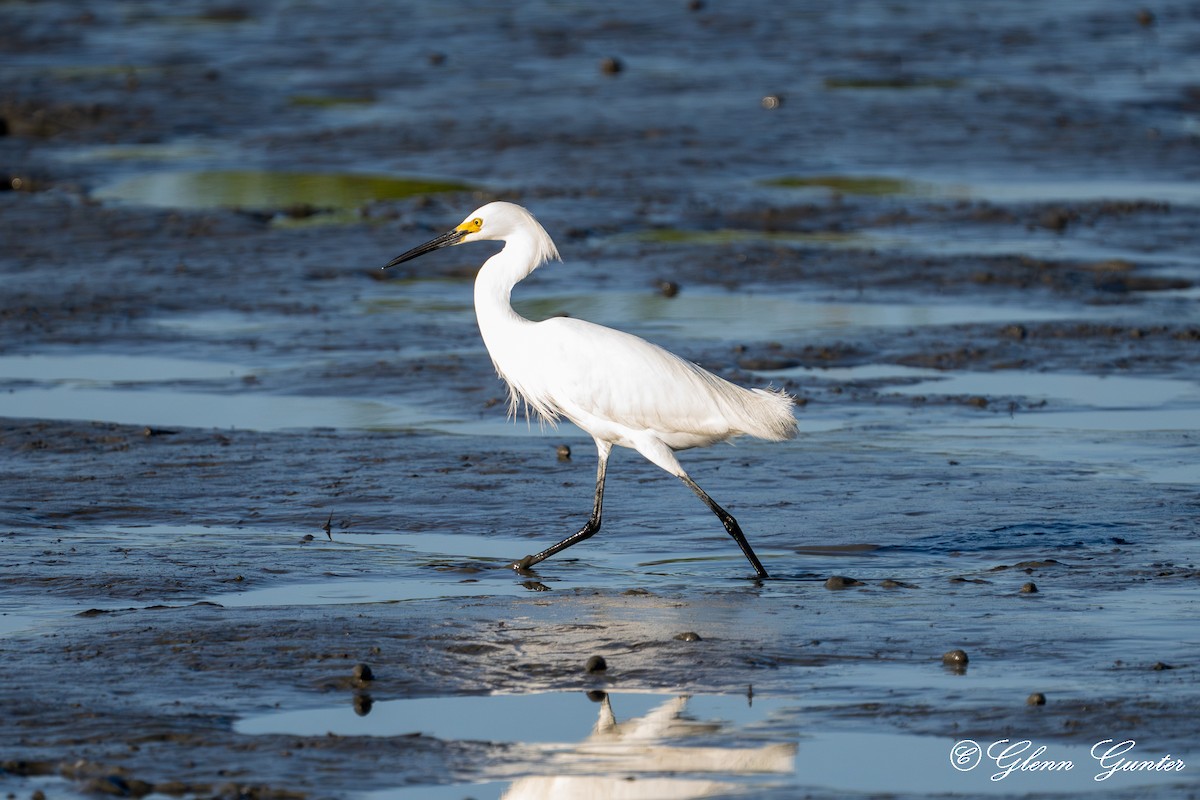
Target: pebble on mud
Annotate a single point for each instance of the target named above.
(564, 452)
(892, 583)
(955, 658)
(363, 673)
(1029, 587)
(772, 102)
(1057, 219)
(668, 288)
(1014, 332)
(610, 66)
(118, 786)
(596, 664)
(688, 636)
(1036, 699)
(148, 431)
(842, 582)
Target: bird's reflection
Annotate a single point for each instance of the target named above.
(627, 760)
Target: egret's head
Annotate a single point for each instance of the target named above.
(497, 221)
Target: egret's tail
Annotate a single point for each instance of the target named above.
(770, 415)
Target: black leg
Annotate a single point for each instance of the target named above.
(589, 528)
(730, 525)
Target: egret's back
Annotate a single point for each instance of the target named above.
(591, 374)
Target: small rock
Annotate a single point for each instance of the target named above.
(1160, 666)
(772, 102)
(148, 431)
(610, 66)
(1036, 699)
(955, 658)
(301, 211)
(363, 673)
(1056, 219)
(1029, 587)
(596, 664)
(891, 583)
(110, 785)
(668, 288)
(564, 452)
(841, 582)
(1015, 332)
(688, 636)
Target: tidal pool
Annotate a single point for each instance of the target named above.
(243, 410)
(112, 368)
(633, 745)
(264, 190)
(1031, 190)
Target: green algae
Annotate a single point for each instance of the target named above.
(269, 191)
(328, 101)
(869, 185)
(727, 236)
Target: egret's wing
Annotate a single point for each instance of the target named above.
(619, 377)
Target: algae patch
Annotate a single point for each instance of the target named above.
(329, 101)
(871, 185)
(267, 191)
(727, 236)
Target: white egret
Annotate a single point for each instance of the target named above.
(617, 387)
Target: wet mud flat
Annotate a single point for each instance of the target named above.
(166, 620)
(257, 499)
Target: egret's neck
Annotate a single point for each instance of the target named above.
(494, 284)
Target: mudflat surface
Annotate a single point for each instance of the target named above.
(237, 461)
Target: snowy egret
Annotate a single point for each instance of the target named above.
(617, 387)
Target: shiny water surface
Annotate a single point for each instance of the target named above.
(680, 746)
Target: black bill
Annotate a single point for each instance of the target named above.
(445, 240)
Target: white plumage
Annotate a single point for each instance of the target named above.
(619, 388)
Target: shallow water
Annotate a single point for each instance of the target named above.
(987, 187)
(688, 738)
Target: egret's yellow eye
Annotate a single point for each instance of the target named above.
(477, 223)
